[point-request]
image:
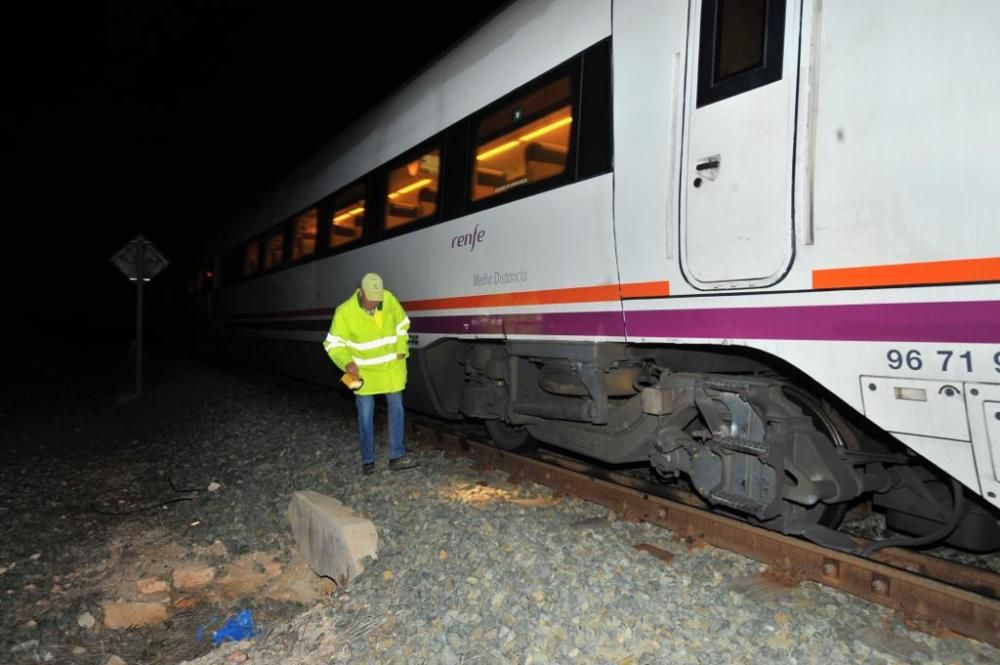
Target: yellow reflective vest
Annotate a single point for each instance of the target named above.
(355, 335)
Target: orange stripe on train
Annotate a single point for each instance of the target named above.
(646, 290)
(599, 293)
(903, 274)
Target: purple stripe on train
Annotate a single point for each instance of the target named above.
(607, 324)
(971, 322)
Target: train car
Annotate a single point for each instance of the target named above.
(754, 245)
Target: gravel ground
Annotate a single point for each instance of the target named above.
(99, 493)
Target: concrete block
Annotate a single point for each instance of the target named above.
(332, 538)
(193, 577)
(150, 585)
(123, 615)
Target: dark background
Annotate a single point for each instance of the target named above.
(160, 118)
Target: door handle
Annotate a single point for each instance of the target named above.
(707, 167)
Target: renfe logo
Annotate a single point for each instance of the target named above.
(475, 236)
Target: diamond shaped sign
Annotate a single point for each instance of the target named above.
(128, 259)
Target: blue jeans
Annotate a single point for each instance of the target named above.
(366, 426)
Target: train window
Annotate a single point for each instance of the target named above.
(739, 37)
(413, 190)
(304, 234)
(741, 47)
(525, 141)
(348, 220)
(251, 257)
(274, 251)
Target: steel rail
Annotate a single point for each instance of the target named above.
(925, 601)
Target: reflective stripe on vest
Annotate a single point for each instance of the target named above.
(334, 342)
(380, 360)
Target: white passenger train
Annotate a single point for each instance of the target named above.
(753, 243)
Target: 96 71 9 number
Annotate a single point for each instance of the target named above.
(941, 359)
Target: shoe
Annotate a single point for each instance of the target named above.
(368, 469)
(404, 462)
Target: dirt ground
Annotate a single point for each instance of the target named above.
(131, 524)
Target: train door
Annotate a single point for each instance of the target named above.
(739, 140)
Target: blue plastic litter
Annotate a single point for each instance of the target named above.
(200, 635)
(236, 628)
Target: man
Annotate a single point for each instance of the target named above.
(368, 340)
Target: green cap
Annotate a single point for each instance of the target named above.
(371, 286)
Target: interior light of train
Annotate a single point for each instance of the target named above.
(547, 128)
(349, 213)
(562, 122)
(409, 188)
(497, 150)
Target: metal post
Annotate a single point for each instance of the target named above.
(140, 261)
(140, 278)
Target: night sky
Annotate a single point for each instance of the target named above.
(161, 118)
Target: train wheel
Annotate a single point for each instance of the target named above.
(510, 437)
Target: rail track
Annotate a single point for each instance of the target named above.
(932, 593)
